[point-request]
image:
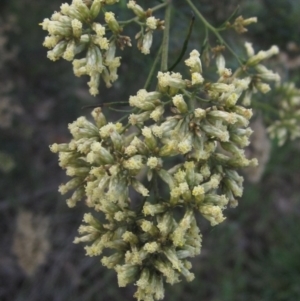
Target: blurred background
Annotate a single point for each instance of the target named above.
(253, 255)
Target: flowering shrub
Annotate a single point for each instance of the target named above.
(201, 124)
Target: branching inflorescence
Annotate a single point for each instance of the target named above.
(73, 31)
(146, 204)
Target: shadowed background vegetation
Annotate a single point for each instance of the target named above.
(253, 255)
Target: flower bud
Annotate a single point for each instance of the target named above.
(103, 153)
(147, 42)
(80, 6)
(179, 103)
(111, 261)
(262, 55)
(136, 9)
(95, 8)
(126, 273)
(112, 22)
(194, 62)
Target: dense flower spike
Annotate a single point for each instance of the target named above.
(73, 31)
(150, 243)
(145, 219)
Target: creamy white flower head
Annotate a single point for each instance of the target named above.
(114, 170)
(151, 22)
(195, 53)
(163, 78)
(263, 87)
(133, 101)
(107, 129)
(176, 75)
(262, 55)
(56, 16)
(94, 83)
(135, 142)
(242, 83)
(138, 118)
(194, 62)
(177, 100)
(45, 23)
(134, 162)
(222, 70)
(226, 72)
(185, 146)
(113, 64)
(63, 189)
(174, 80)
(198, 190)
(147, 42)
(137, 9)
(77, 27)
(189, 165)
(157, 131)
(157, 113)
(51, 41)
(197, 78)
(142, 94)
(221, 87)
(175, 192)
(249, 49)
(266, 74)
(77, 3)
(151, 247)
(100, 30)
(131, 4)
(54, 148)
(180, 176)
(131, 150)
(146, 131)
(65, 8)
(152, 162)
(213, 214)
(101, 41)
(250, 20)
(200, 113)
(109, 17)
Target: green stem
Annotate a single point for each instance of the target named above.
(213, 30)
(159, 6)
(119, 110)
(264, 106)
(192, 95)
(128, 21)
(136, 19)
(200, 16)
(107, 104)
(123, 118)
(150, 75)
(165, 42)
(155, 188)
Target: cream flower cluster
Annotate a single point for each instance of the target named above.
(73, 31)
(287, 126)
(147, 246)
(262, 74)
(149, 24)
(149, 243)
(239, 24)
